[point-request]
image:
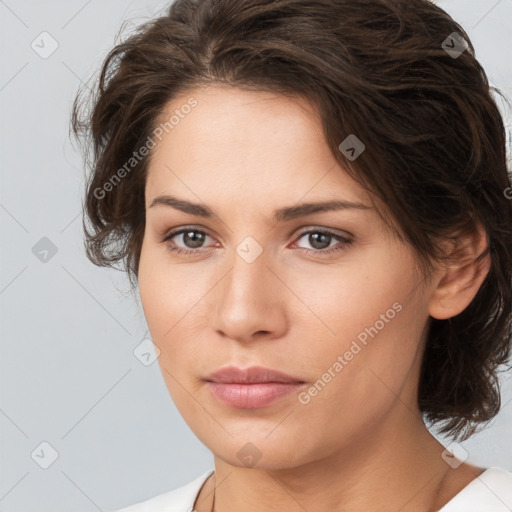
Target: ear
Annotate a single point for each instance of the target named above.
(460, 278)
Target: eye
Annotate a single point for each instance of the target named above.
(191, 237)
(320, 239)
(194, 239)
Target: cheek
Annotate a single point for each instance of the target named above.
(360, 326)
(168, 292)
(151, 290)
(174, 302)
(355, 298)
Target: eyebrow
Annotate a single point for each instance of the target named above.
(279, 215)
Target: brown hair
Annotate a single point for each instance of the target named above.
(435, 145)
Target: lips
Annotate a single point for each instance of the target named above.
(251, 388)
(252, 375)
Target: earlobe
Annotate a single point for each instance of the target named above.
(462, 276)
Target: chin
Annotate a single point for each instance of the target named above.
(253, 448)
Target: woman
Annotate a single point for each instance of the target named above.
(311, 198)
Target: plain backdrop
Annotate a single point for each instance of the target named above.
(73, 395)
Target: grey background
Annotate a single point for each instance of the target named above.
(68, 373)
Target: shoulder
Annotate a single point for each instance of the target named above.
(490, 492)
(180, 499)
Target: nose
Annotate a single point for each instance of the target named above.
(250, 301)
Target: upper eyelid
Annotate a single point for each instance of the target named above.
(180, 231)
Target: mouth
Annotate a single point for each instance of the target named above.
(251, 388)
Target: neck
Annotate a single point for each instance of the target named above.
(378, 471)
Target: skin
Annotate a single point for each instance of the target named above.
(360, 443)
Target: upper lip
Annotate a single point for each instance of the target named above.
(252, 375)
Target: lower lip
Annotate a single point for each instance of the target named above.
(252, 396)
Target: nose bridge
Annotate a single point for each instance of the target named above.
(248, 271)
(247, 300)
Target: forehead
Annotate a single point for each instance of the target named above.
(234, 141)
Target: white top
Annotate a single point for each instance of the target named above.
(490, 492)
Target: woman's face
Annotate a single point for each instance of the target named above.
(330, 297)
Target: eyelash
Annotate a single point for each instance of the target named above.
(345, 241)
